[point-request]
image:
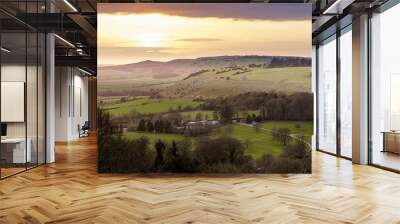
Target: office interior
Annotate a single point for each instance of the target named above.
(48, 79)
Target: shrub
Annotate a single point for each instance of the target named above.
(283, 135)
(224, 154)
(179, 157)
(160, 148)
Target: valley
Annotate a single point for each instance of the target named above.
(255, 104)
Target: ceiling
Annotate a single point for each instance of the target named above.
(75, 21)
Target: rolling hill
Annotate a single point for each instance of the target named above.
(183, 67)
(207, 76)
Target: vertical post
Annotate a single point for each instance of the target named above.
(338, 76)
(315, 95)
(360, 89)
(50, 92)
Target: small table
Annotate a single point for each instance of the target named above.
(13, 150)
(391, 141)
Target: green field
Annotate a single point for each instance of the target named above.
(148, 105)
(306, 127)
(191, 115)
(129, 84)
(153, 137)
(213, 84)
(256, 143)
(300, 75)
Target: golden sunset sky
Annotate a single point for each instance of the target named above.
(129, 33)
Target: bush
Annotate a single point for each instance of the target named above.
(223, 155)
(295, 158)
(179, 157)
(283, 135)
(119, 155)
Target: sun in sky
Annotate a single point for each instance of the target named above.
(145, 33)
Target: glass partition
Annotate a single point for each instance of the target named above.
(41, 96)
(327, 95)
(31, 98)
(14, 155)
(22, 88)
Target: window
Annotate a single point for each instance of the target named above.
(385, 89)
(327, 95)
(346, 92)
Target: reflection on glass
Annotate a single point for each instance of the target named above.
(346, 93)
(31, 97)
(385, 89)
(327, 96)
(41, 98)
(14, 153)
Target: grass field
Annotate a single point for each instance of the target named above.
(147, 105)
(299, 75)
(213, 83)
(306, 127)
(191, 115)
(256, 142)
(153, 137)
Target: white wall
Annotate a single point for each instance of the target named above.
(71, 87)
(314, 91)
(14, 73)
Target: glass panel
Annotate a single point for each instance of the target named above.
(346, 93)
(23, 90)
(385, 84)
(327, 96)
(31, 98)
(13, 86)
(32, 87)
(41, 98)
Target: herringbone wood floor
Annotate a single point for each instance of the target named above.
(71, 191)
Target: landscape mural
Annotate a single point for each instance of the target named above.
(204, 88)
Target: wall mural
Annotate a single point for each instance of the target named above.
(204, 88)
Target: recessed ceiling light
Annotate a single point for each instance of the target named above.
(84, 71)
(64, 40)
(70, 5)
(5, 50)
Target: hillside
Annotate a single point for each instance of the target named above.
(180, 68)
(207, 77)
(240, 80)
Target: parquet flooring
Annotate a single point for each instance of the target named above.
(71, 191)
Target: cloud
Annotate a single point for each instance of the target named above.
(244, 11)
(201, 39)
(136, 50)
(121, 55)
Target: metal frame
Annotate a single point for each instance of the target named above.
(389, 4)
(44, 71)
(338, 97)
(386, 6)
(339, 32)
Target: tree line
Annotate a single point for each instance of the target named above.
(159, 126)
(207, 155)
(272, 105)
